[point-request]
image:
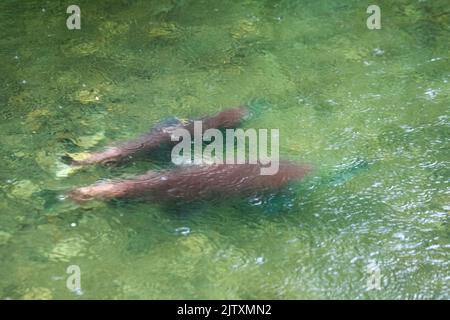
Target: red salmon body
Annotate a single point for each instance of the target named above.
(194, 182)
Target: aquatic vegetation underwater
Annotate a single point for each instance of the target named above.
(368, 108)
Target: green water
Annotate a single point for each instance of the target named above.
(368, 108)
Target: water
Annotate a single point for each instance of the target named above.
(370, 110)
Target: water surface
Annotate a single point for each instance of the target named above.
(369, 108)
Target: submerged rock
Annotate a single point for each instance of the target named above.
(87, 96)
(67, 249)
(4, 237)
(90, 141)
(196, 245)
(37, 118)
(109, 29)
(24, 189)
(244, 29)
(38, 293)
(163, 30)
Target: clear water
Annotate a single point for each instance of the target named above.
(369, 108)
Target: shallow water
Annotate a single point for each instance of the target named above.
(368, 108)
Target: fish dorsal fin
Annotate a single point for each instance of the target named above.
(169, 124)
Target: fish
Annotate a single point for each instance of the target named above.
(161, 134)
(186, 184)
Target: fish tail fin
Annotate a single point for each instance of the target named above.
(257, 106)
